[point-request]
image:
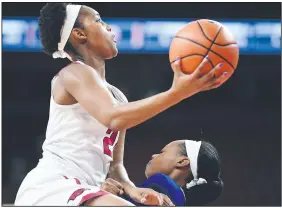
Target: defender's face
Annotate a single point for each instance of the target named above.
(165, 161)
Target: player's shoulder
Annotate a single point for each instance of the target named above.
(77, 72)
(76, 68)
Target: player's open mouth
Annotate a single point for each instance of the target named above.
(114, 38)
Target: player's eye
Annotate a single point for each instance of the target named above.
(98, 20)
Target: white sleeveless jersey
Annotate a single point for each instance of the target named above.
(77, 144)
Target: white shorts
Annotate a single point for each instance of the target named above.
(41, 189)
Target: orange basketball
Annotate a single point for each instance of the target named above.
(201, 38)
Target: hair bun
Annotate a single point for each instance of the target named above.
(217, 186)
(204, 193)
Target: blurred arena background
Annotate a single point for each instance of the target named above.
(242, 118)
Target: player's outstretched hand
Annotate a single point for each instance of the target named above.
(186, 85)
(149, 197)
(166, 202)
(112, 186)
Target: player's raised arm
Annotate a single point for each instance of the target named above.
(85, 85)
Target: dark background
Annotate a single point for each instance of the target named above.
(242, 118)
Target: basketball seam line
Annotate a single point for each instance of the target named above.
(207, 37)
(214, 40)
(194, 54)
(205, 48)
(204, 31)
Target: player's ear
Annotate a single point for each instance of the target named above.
(79, 34)
(182, 162)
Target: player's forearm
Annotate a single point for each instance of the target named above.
(133, 113)
(119, 173)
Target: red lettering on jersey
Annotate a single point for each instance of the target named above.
(109, 140)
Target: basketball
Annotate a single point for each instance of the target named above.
(202, 38)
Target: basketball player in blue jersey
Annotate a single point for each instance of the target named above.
(192, 165)
(88, 117)
(187, 171)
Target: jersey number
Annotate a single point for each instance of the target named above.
(109, 140)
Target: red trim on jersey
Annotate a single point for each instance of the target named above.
(91, 196)
(77, 193)
(77, 180)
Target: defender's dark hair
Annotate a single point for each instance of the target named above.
(209, 169)
(51, 19)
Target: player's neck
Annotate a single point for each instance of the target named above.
(179, 179)
(97, 64)
(90, 59)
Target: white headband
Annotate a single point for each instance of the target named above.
(192, 149)
(72, 12)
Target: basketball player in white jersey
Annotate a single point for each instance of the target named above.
(88, 117)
